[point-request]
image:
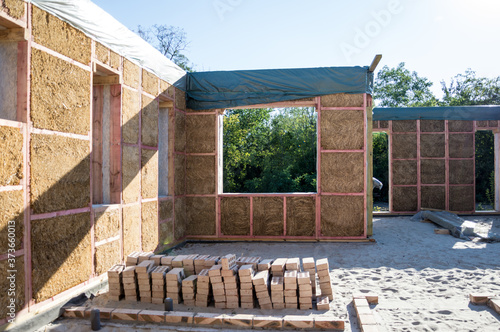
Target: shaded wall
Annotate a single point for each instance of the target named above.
(336, 211)
(84, 121)
(432, 163)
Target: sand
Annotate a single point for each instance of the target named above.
(423, 279)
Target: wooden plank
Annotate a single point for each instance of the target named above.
(375, 62)
(116, 137)
(442, 231)
(106, 80)
(13, 35)
(97, 111)
(166, 104)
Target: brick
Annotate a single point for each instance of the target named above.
(212, 260)
(178, 260)
(260, 278)
(129, 272)
(494, 304)
(246, 292)
(370, 297)
(178, 317)
(157, 300)
(361, 303)
(265, 264)
(157, 259)
(322, 264)
(363, 311)
(323, 273)
(323, 303)
(201, 303)
(229, 272)
(189, 303)
(298, 322)
(228, 261)
(328, 323)
(245, 305)
(220, 305)
(290, 299)
(292, 264)
(264, 300)
(479, 298)
(305, 306)
(159, 272)
(215, 270)
(278, 265)
(308, 263)
(290, 286)
(216, 279)
(367, 319)
(247, 299)
(133, 258)
(261, 288)
(151, 316)
(278, 306)
(125, 314)
(267, 322)
(77, 312)
(290, 277)
(167, 260)
(369, 328)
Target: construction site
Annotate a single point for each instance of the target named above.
(112, 201)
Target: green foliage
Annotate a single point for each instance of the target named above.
(485, 163)
(268, 150)
(398, 87)
(381, 164)
(467, 89)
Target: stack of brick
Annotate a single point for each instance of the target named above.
(115, 282)
(167, 261)
(132, 258)
(278, 267)
(188, 264)
(199, 263)
(245, 274)
(290, 281)
(277, 293)
(230, 279)
(254, 261)
(217, 286)
(189, 290)
(129, 283)
(158, 284)
(203, 293)
(261, 284)
(144, 256)
(325, 283)
(264, 264)
(143, 273)
(305, 290)
(173, 280)
(308, 265)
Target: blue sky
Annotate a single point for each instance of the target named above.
(436, 38)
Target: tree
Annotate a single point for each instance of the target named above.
(170, 41)
(398, 87)
(467, 89)
(268, 150)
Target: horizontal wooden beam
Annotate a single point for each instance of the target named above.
(166, 104)
(13, 35)
(107, 80)
(10, 22)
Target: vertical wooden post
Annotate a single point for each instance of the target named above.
(97, 110)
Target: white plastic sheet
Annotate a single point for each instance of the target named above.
(102, 27)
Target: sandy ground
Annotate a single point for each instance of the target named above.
(423, 280)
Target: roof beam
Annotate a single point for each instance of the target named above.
(375, 62)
